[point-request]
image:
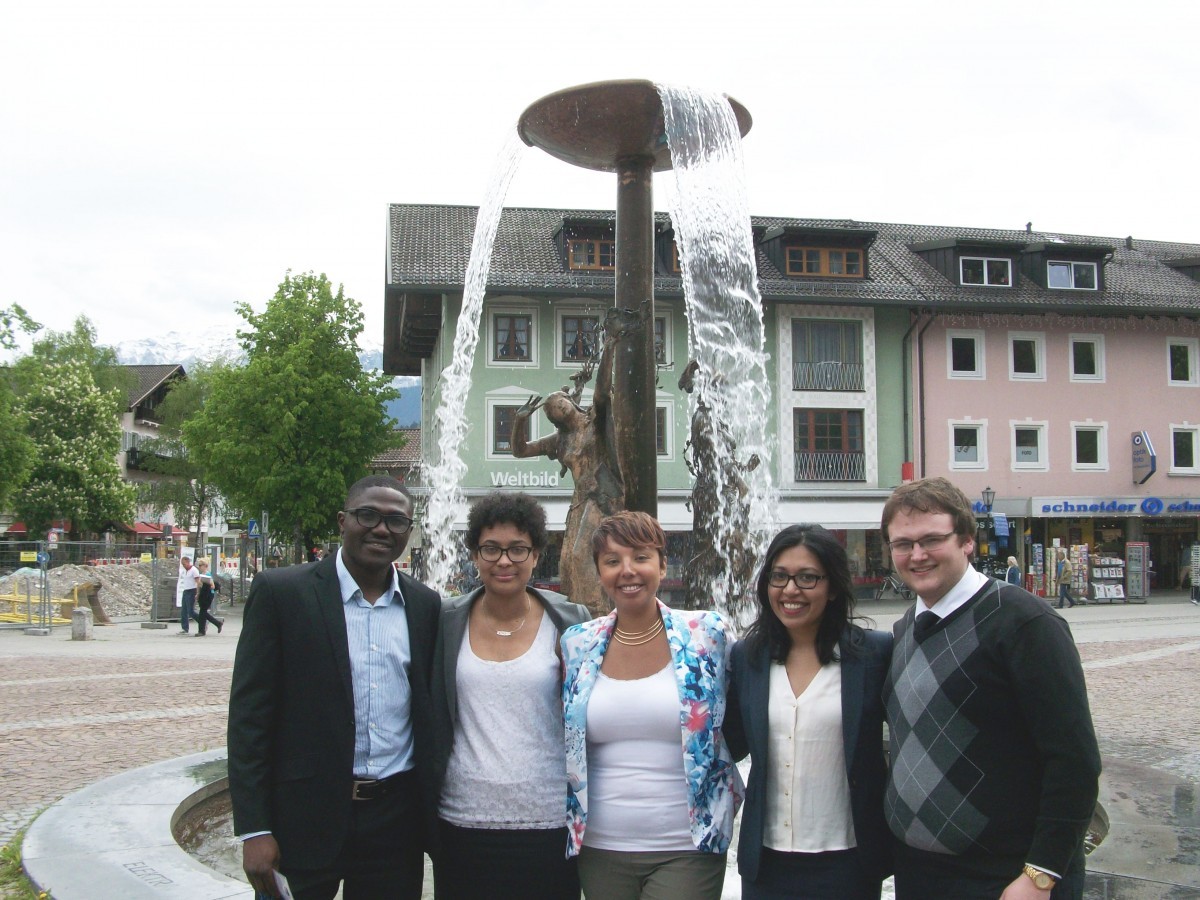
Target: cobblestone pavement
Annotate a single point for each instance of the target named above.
(72, 713)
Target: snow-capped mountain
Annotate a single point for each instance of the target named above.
(220, 342)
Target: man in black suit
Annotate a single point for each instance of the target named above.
(329, 714)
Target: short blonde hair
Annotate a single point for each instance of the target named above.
(202, 561)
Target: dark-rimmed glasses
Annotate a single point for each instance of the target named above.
(927, 543)
(804, 580)
(517, 553)
(370, 518)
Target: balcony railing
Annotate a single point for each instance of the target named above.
(827, 376)
(831, 466)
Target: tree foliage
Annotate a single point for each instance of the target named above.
(14, 319)
(188, 490)
(74, 473)
(78, 345)
(16, 449)
(289, 431)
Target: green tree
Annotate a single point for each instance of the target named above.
(289, 431)
(78, 345)
(12, 320)
(188, 490)
(16, 449)
(76, 436)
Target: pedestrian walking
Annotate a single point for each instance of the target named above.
(206, 593)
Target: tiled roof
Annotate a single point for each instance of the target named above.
(429, 247)
(149, 378)
(408, 455)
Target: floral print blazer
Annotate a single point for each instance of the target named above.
(699, 643)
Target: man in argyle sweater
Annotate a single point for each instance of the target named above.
(994, 764)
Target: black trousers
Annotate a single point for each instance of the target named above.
(381, 858)
(205, 616)
(932, 876)
(498, 864)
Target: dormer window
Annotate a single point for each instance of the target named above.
(1079, 276)
(592, 254)
(985, 270)
(832, 262)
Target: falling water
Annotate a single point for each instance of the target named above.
(711, 217)
(446, 503)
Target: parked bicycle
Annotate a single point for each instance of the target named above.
(892, 584)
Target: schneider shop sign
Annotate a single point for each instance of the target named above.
(1119, 506)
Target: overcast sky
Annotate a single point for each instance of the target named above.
(160, 160)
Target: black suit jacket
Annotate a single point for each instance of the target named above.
(864, 667)
(291, 709)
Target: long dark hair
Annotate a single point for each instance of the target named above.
(768, 631)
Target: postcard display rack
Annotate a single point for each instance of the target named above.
(1108, 579)
(1137, 575)
(1078, 555)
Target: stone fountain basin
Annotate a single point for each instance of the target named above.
(116, 838)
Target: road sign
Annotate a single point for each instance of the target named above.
(43, 557)
(52, 538)
(252, 529)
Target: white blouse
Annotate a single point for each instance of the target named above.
(508, 768)
(637, 792)
(808, 793)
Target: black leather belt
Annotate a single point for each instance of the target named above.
(374, 788)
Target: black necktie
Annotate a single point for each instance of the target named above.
(924, 624)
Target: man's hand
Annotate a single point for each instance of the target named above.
(529, 407)
(260, 859)
(1024, 889)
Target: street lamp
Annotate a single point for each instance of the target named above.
(989, 497)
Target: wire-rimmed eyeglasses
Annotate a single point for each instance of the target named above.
(804, 580)
(927, 543)
(370, 518)
(517, 553)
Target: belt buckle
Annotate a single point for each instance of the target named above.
(360, 782)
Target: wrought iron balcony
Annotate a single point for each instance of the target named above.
(831, 466)
(827, 376)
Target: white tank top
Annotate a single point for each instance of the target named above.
(637, 791)
(508, 768)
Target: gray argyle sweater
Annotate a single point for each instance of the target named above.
(993, 755)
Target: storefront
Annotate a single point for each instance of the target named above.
(1124, 529)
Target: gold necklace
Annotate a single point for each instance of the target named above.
(500, 633)
(637, 638)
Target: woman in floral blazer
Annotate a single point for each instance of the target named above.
(644, 694)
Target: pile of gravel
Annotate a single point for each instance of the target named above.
(124, 590)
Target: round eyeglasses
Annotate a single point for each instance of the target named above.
(370, 518)
(517, 553)
(804, 580)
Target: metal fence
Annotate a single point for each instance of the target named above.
(29, 597)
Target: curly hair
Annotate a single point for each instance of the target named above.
(839, 609)
(507, 508)
(629, 529)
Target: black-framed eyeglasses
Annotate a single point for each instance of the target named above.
(518, 553)
(370, 518)
(804, 580)
(927, 543)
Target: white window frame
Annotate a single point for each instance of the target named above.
(980, 372)
(1192, 345)
(985, 260)
(494, 310)
(1101, 465)
(506, 396)
(1194, 430)
(668, 337)
(1039, 351)
(596, 312)
(666, 403)
(1043, 448)
(980, 428)
(1072, 263)
(1097, 341)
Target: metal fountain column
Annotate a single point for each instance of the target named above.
(617, 126)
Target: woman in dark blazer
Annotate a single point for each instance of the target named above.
(499, 763)
(805, 705)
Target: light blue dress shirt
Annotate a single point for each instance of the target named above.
(379, 661)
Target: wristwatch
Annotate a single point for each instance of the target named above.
(1041, 880)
